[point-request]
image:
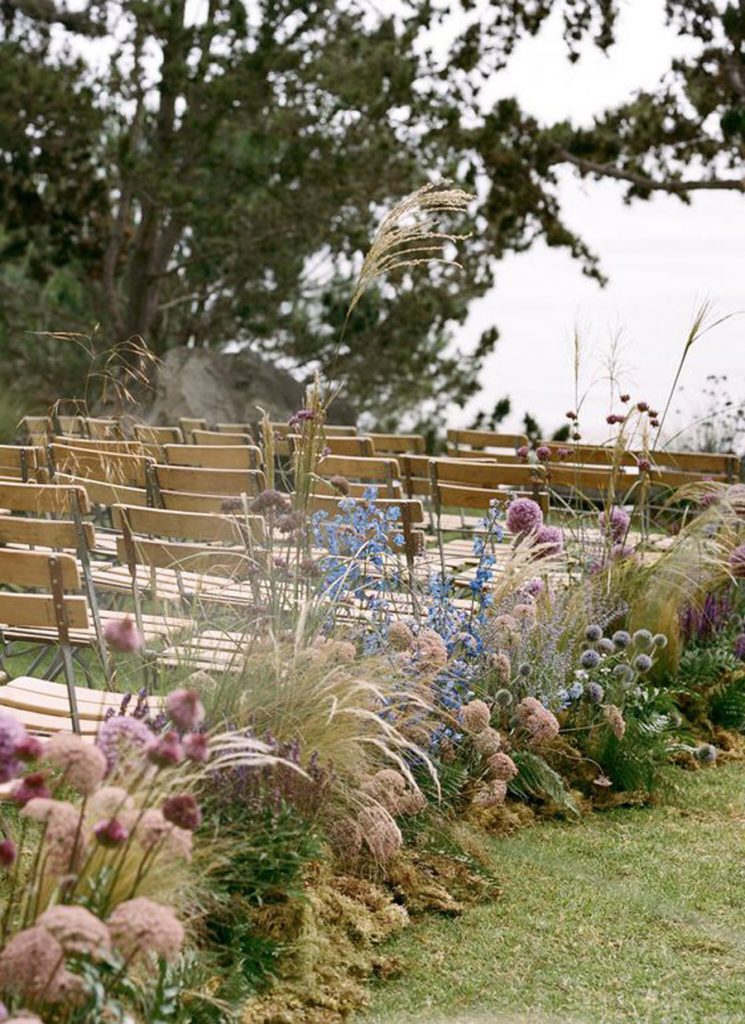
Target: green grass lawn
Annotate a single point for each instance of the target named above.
(630, 915)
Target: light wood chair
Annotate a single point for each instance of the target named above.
(207, 456)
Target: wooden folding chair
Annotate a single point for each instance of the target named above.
(469, 444)
(207, 456)
(398, 444)
(102, 429)
(360, 473)
(20, 462)
(196, 480)
(159, 436)
(220, 438)
(188, 425)
(35, 430)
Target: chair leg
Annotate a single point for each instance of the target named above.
(70, 681)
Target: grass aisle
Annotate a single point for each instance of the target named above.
(631, 915)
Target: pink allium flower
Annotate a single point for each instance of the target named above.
(523, 516)
(196, 746)
(152, 831)
(737, 562)
(30, 963)
(502, 767)
(111, 833)
(487, 742)
(30, 787)
(8, 853)
(77, 930)
(400, 636)
(644, 465)
(386, 787)
(429, 655)
(525, 613)
(475, 716)
(29, 749)
(502, 667)
(616, 524)
(412, 802)
(121, 736)
(540, 723)
(186, 709)
(615, 720)
(564, 453)
(65, 845)
(167, 751)
(108, 801)
(709, 500)
(141, 926)
(523, 452)
(83, 765)
(534, 587)
(493, 794)
(620, 551)
(123, 635)
(12, 734)
(543, 453)
(550, 540)
(182, 810)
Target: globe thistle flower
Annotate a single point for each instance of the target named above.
(615, 720)
(524, 516)
(167, 751)
(475, 716)
(501, 766)
(589, 659)
(83, 766)
(614, 523)
(141, 926)
(543, 453)
(737, 562)
(487, 742)
(185, 709)
(380, 832)
(707, 753)
(493, 794)
(538, 722)
(525, 670)
(503, 698)
(593, 633)
(642, 663)
(550, 540)
(121, 736)
(400, 636)
(595, 692)
(30, 963)
(623, 672)
(123, 635)
(659, 640)
(30, 787)
(643, 639)
(78, 931)
(182, 810)
(740, 647)
(8, 853)
(111, 833)
(621, 639)
(196, 746)
(606, 646)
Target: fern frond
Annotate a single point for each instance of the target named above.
(538, 781)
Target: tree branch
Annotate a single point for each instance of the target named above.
(670, 185)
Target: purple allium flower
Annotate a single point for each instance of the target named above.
(8, 853)
(708, 500)
(642, 663)
(737, 562)
(613, 419)
(111, 833)
(123, 635)
(595, 692)
(543, 453)
(270, 503)
(550, 539)
(620, 551)
(182, 810)
(29, 749)
(120, 736)
(654, 422)
(534, 587)
(167, 750)
(196, 746)
(186, 709)
(614, 522)
(523, 452)
(563, 454)
(30, 787)
(300, 417)
(589, 659)
(524, 516)
(12, 734)
(625, 398)
(571, 415)
(707, 753)
(644, 465)
(642, 406)
(593, 633)
(340, 484)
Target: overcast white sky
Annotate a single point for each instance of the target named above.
(663, 258)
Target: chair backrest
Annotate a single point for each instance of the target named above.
(188, 424)
(109, 467)
(199, 527)
(398, 444)
(19, 461)
(382, 472)
(588, 454)
(282, 429)
(209, 504)
(35, 430)
(196, 480)
(213, 457)
(103, 429)
(235, 428)
(471, 484)
(99, 492)
(470, 443)
(722, 467)
(219, 438)
(57, 534)
(158, 435)
(55, 574)
(73, 426)
(356, 447)
(42, 499)
(102, 445)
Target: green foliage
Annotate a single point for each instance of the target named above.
(634, 763)
(727, 705)
(536, 780)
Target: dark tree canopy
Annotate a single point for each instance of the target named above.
(218, 181)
